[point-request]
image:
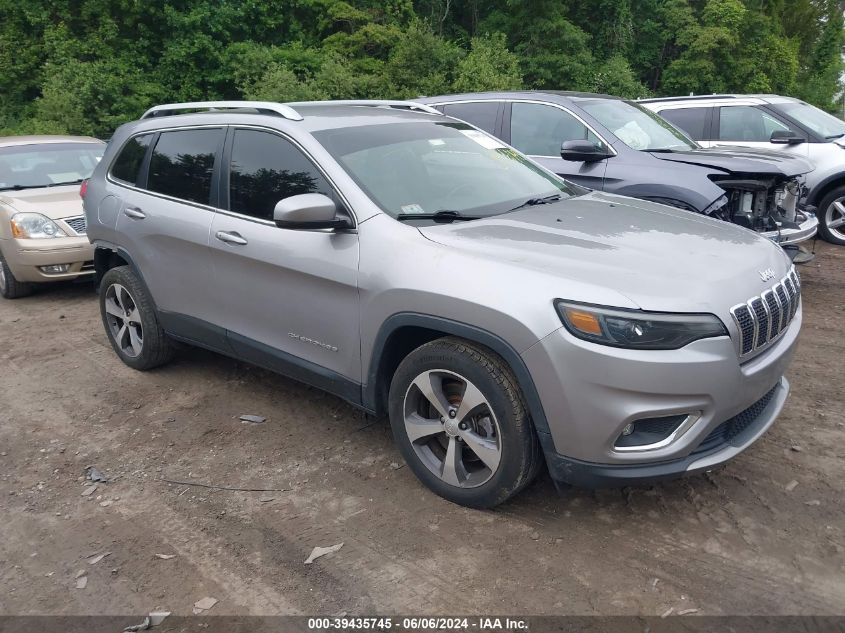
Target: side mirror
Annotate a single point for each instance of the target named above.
(786, 137)
(308, 211)
(581, 151)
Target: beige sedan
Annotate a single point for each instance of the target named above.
(42, 226)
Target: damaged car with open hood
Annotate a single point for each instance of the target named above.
(615, 145)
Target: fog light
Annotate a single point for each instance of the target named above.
(55, 269)
(629, 428)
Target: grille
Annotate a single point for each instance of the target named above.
(729, 429)
(78, 225)
(762, 319)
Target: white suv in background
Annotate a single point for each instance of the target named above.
(778, 123)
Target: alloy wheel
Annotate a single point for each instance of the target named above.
(124, 320)
(452, 428)
(834, 218)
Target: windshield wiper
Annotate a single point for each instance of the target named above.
(62, 184)
(18, 187)
(533, 202)
(444, 216)
(833, 136)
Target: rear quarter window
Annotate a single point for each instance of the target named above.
(127, 165)
(691, 120)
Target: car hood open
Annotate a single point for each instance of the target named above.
(659, 257)
(741, 160)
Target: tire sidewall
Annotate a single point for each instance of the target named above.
(515, 445)
(828, 200)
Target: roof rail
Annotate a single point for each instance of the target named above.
(262, 107)
(374, 103)
(689, 98)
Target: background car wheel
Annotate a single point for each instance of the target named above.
(11, 288)
(832, 216)
(461, 424)
(131, 322)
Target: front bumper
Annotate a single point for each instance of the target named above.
(26, 257)
(739, 434)
(590, 393)
(805, 231)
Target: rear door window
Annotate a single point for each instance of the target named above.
(693, 121)
(182, 163)
(127, 165)
(265, 168)
(481, 115)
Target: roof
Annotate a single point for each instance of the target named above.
(311, 116)
(516, 94)
(11, 141)
(763, 97)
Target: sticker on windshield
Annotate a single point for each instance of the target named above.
(411, 208)
(436, 141)
(482, 139)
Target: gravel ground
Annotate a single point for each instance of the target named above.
(764, 535)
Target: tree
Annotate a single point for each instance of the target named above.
(489, 66)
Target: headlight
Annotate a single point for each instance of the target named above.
(635, 329)
(34, 226)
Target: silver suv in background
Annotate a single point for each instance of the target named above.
(777, 123)
(419, 268)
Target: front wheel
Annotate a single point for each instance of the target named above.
(11, 288)
(461, 424)
(832, 216)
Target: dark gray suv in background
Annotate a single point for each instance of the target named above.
(611, 144)
(420, 268)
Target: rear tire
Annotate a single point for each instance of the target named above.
(130, 321)
(829, 214)
(460, 422)
(11, 288)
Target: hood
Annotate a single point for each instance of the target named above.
(660, 258)
(55, 202)
(741, 160)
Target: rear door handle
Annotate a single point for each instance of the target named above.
(230, 238)
(134, 212)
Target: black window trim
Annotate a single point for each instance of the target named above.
(145, 167)
(223, 182)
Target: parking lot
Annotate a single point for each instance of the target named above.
(764, 535)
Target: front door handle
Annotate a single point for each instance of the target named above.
(134, 212)
(230, 238)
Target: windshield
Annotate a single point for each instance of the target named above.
(811, 117)
(637, 127)
(420, 168)
(47, 164)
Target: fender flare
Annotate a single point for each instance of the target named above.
(123, 254)
(816, 194)
(471, 333)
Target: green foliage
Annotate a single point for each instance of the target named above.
(86, 66)
(489, 66)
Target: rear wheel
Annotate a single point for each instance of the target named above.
(832, 216)
(131, 322)
(460, 422)
(11, 288)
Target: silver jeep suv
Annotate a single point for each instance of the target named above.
(418, 267)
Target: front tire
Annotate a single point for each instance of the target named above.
(131, 322)
(832, 217)
(460, 422)
(11, 288)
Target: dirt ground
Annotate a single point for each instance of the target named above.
(741, 540)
